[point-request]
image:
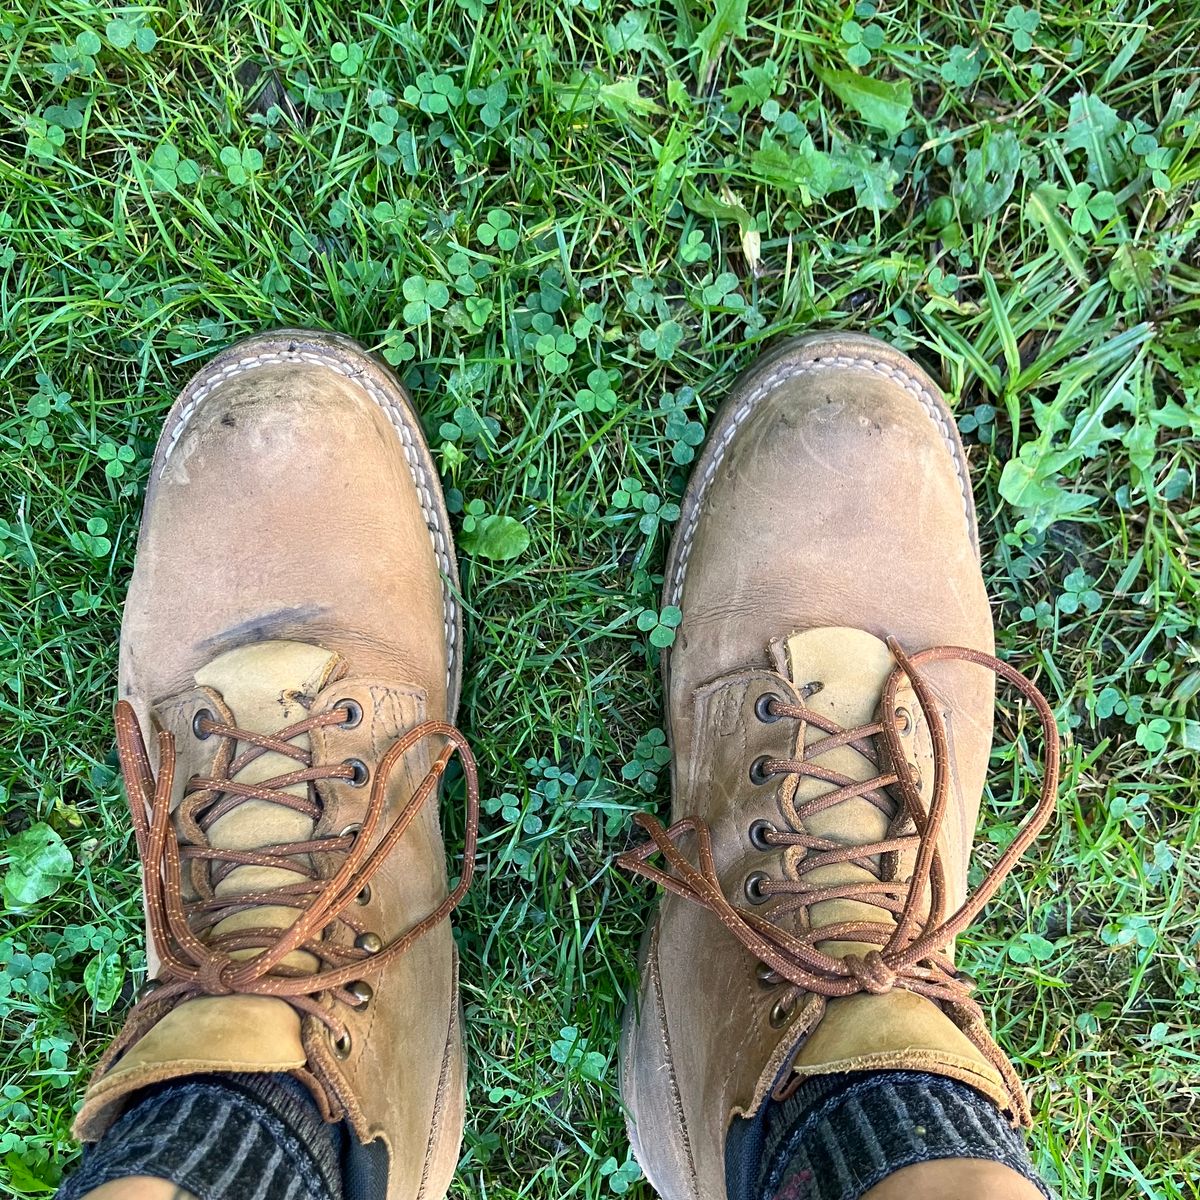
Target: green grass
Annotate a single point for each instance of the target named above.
(569, 226)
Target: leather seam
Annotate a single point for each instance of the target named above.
(443, 1077)
(909, 382)
(416, 469)
(669, 1062)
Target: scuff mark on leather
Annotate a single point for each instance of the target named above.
(270, 626)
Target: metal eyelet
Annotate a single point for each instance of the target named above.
(758, 772)
(904, 721)
(762, 708)
(354, 713)
(201, 715)
(372, 943)
(767, 977)
(341, 1044)
(364, 897)
(361, 773)
(353, 827)
(361, 991)
(781, 1010)
(753, 888)
(757, 831)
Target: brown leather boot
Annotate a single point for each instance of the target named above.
(829, 757)
(293, 639)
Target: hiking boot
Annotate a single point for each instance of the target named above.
(830, 696)
(292, 648)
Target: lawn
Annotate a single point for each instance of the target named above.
(568, 227)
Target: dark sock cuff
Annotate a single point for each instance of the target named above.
(220, 1137)
(839, 1136)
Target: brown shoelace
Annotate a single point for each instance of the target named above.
(193, 965)
(911, 952)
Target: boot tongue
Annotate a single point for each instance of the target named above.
(267, 686)
(841, 673)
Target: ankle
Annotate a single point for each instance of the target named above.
(853, 1135)
(955, 1179)
(138, 1187)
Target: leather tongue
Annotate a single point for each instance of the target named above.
(899, 1031)
(841, 673)
(267, 686)
(255, 1034)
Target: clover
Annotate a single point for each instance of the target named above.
(497, 230)
(168, 169)
(1022, 23)
(661, 626)
(123, 32)
(721, 292)
(962, 67)
(650, 755)
(349, 58)
(433, 94)
(490, 101)
(422, 298)
(663, 340)
(240, 165)
(681, 431)
(598, 394)
(555, 349)
(382, 128)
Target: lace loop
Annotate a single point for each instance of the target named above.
(912, 951)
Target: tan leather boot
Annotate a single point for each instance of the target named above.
(293, 638)
(828, 759)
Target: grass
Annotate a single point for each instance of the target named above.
(569, 226)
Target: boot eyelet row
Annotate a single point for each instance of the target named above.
(762, 708)
(354, 713)
(757, 835)
(753, 888)
(202, 715)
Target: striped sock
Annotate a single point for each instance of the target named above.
(221, 1137)
(838, 1136)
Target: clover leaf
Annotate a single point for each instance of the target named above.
(422, 298)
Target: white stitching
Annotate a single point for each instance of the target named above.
(395, 415)
(788, 370)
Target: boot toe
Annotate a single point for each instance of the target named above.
(291, 497)
(833, 492)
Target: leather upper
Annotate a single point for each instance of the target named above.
(830, 509)
(294, 557)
